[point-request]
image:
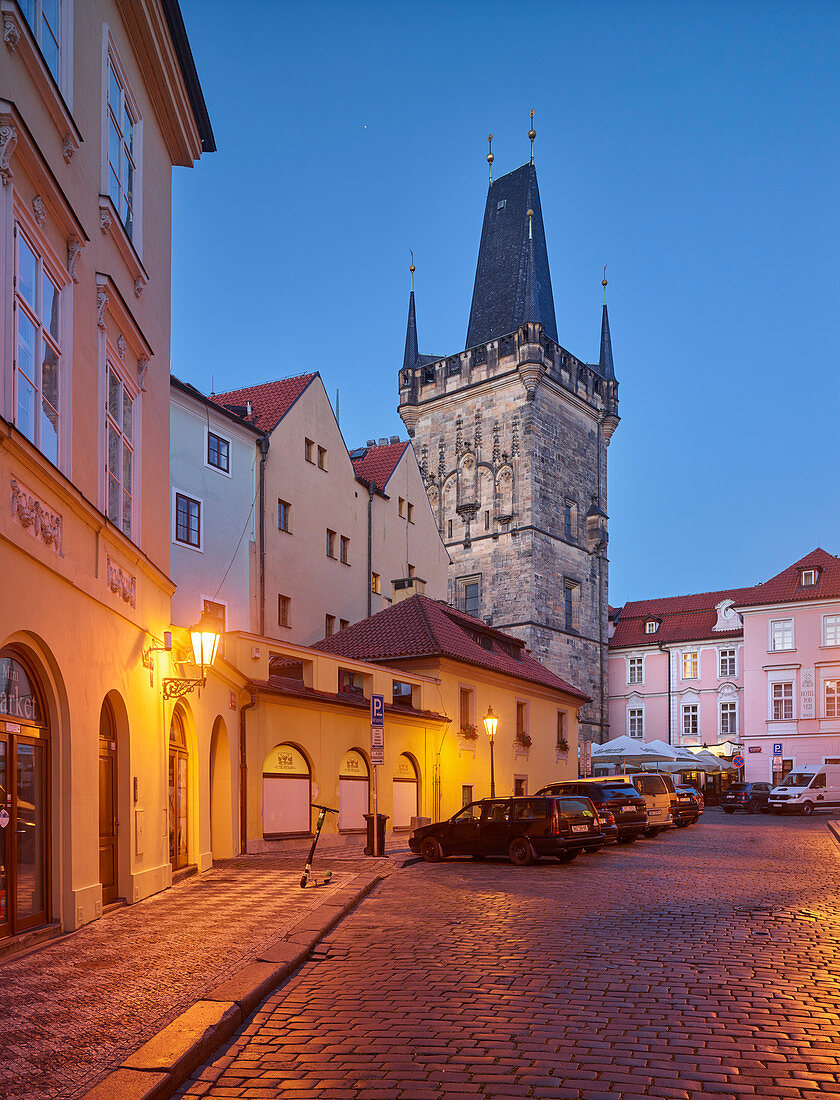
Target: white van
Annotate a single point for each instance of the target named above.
(655, 790)
(806, 790)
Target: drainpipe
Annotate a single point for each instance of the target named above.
(371, 491)
(263, 444)
(243, 773)
(668, 659)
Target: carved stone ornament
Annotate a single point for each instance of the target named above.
(40, 211)
(68, 148)
(34, 517)
(104, 220)
(74, 251)
(139, 286)
(8, 141)
(102, 301)
(121, 583)
(142, 367)
(121, 346)
(11, 34)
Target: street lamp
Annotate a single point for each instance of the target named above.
(490, 723)
(205, 637)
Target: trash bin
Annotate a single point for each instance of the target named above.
(380, 833)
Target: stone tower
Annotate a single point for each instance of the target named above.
(511, 436)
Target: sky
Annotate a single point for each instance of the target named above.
(693, 148)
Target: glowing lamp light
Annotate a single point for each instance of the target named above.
(205, 640)
(490, 722)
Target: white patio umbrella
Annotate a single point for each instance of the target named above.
(627, 752)
(679, 759)
(708, 762)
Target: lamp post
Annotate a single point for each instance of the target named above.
(204, 637)
(490, 723)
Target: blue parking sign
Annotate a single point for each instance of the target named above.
(377, 711)
(777, 748)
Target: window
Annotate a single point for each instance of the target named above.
(782, 702)
(831, 629)
(466, 794)
(689, 666)
(322, 458)
(562, 727)
(808, 578)
(43, 17)
(284, 606)
(449, 529)
(410, 570)
(330, 543)
(569, 519)
(781, 634)
(571, 605)
(486, 520)
(309, 451)
(218, 452)
(520, 786)
(345, 550)
(401, 507)
(375, 583)
(351, 682)
(465, 709)
(122, 159)
(635, 670)
(832, 698)
(410, 512)
(691, 720)
(726, 662)
(38, 358)
(188, 520)
(636, 722)
(120, 456)
(651, 626)
(728, 718)
(521, 717)
(403, 693)
(342, 623)
(284, 510)
(471, 598)
(329, 625)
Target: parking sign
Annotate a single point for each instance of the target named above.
(377, 710)
(777, 748)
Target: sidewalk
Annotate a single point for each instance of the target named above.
(77, 1008)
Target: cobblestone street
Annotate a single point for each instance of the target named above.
(698, 966)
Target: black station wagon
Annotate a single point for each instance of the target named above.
(521, 828)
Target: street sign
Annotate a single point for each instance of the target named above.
(738, 761)
(377, 710)
(377, 754)
(777, 748)
(377, 737)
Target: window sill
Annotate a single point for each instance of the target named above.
(111, 225)
(776, 652)
(187, 546)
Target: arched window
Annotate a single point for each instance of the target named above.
(353, 792)
(406, 791)
(287, 793)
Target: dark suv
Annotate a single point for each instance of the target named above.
(522, 828)
(751, 797)
(621, 799)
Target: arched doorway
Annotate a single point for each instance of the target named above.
(179, 763)
(221, 808)
(353, 792)
(405, 803)
(24, 797)
(108, 823)
(287, 793)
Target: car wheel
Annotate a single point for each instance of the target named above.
(430, 850)
(567, 857)
(752, 806)
(807, 809)
(729, 811)
(520, 851)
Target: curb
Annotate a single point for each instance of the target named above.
(157, 1068)
(834, 829)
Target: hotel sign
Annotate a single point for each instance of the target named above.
(807, 693)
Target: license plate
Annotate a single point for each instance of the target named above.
(580, 828)
(653, 813)
(627, 809)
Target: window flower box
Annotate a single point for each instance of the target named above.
(469, 733)
(523, 739)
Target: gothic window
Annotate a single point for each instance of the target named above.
(571, 605)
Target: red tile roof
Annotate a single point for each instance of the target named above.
(283, 685)
(270, 401)
(377, 464)
(692, 618)
(420, 627)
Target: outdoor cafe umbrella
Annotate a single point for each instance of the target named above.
(627, 751)
(679, 759)
(710, 763)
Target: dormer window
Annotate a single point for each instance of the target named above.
(651, 626)
(807, 578)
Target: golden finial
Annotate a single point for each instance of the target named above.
(530, 216)
(411, 269)
(532, 133)
(490, 157)
(604, 284)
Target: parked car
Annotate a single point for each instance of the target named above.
(810, 789)
(606, 820)
(751, 797)
(609, 793)
(521, 828)
(693, 793)
(654, 790)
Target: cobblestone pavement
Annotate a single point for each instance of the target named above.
(76, 1007)
(702, 965)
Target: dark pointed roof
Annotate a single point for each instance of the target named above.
(411, 353)
(605, 363)
(500, 295)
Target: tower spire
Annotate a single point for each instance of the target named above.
(532, 133)
(605, 362)
(531, 307)
(490, 157)
(411, 353)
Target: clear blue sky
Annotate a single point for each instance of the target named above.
(691, 147)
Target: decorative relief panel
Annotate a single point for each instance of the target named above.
(121, 582)
(33, 516)
(8, 141)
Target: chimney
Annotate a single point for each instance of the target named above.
(406, 587)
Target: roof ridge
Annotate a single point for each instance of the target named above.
(270, 382)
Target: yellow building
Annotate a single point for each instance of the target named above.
(94, 112)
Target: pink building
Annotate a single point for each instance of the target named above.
(750, 669)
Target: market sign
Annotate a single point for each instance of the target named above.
(17, 694)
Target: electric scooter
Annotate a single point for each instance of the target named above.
(307, 871)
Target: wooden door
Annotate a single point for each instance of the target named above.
(108, 823)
